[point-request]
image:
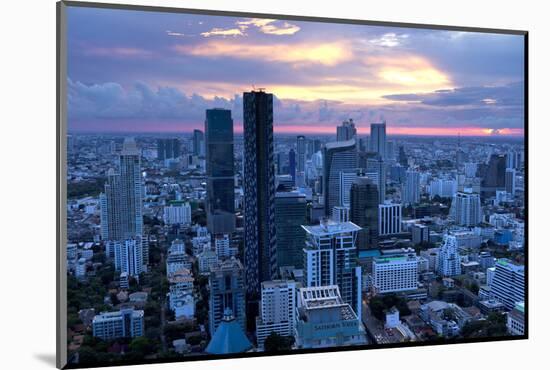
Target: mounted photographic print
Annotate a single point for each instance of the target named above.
(237, 185)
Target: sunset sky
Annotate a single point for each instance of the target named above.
(158, 72)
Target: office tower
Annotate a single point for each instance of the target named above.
(466, 208)
(177, 212)
(282, 163)
(338, 157)
(420, 234)
(376, 170)
(346, 180)
(390, 150)
(364, 212)
(508, 283)
(220, 171)
(448, 263)
(510, 181)
(290, 215)
(340, 214)
(494, 176)
(403, 160)
(198, 143)
(470, 169)
(513, 159)
(168, 148)
(259, 191)
(346, 131)
(277, 310)
(378, 139)
(301, 146)
(330, 258)
(126, 323)
(292, 164)
(122, 201)
(129, 256)
(389, 218)
(396, 273)
(227, 290)
(411, 189)
(443, 188)
(324, 319)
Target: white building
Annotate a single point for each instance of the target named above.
(516, 320)
(466, 208)
(346, 180)
(389, 218)
(177, 258)
(129, 256)
(80, 269)
(340, 213)
(448, 258)
(395, 273)
(207, 258)
(443, 188)
(508, 283)
(277, 310)
(177, 212)
(222, 243)
(126, 323)
(180, 297)
(330, 259)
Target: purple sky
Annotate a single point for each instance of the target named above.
(145, 71)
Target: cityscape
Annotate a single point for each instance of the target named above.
(260, 221)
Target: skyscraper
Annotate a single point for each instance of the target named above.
(494, 175)
(411, 189)
(220, 171)
(338, 157)
(508, 284)
(301, 146)
(330, 259)
(466, 208)
(122, 201)
(168, 148)
(364, 211)
(389, 218)
(448, 258)
(346, 131)
(292, 164)
(376, 170)
(290, 214)
(198, 142)
(378, 139)
(510, 181)
(259, 191)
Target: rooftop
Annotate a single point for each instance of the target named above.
(331, 227)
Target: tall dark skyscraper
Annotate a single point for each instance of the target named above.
(198, 142)
(220, 171)
(168, 148)
(494, 177)
(290, 215)
(364, 211)
(292, 164)
(301, 149)
(338, 157)
(259, 191)
(378, 139)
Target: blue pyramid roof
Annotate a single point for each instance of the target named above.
(229, 337)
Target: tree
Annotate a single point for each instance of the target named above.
(276, 343)
(141, 345)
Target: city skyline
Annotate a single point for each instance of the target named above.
(421, 82)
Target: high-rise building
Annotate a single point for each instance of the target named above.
(338, 157)
(448, 263)
(346, 180)
(510, 181)
(513, 159)
(466, 208)
(494, 175)
(227, 291)
(443, 188)
(376, 170)
(292, 164)
(389, 218)
(126, 323)
(129, 256)
(301, 146)
(198, 143)
(277, 310)
(403, 160)
(470, 169)
(346, 131)
(411, 189)
(220, 171)
(508, 283)
(177, 212)
(122, 201)
(168, 148)
(378, 139)
(290, 214)
(396, 273)
(364, 212)
(340, 214)
(224, 248)
(260, 240)
(330, 258)
(324, 319)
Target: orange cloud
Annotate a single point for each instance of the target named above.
(328, 54)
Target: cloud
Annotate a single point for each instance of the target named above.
(119, 52)
(223, 32)
(389, 39)
(269, 26)
(172, 33)
(328, 54)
